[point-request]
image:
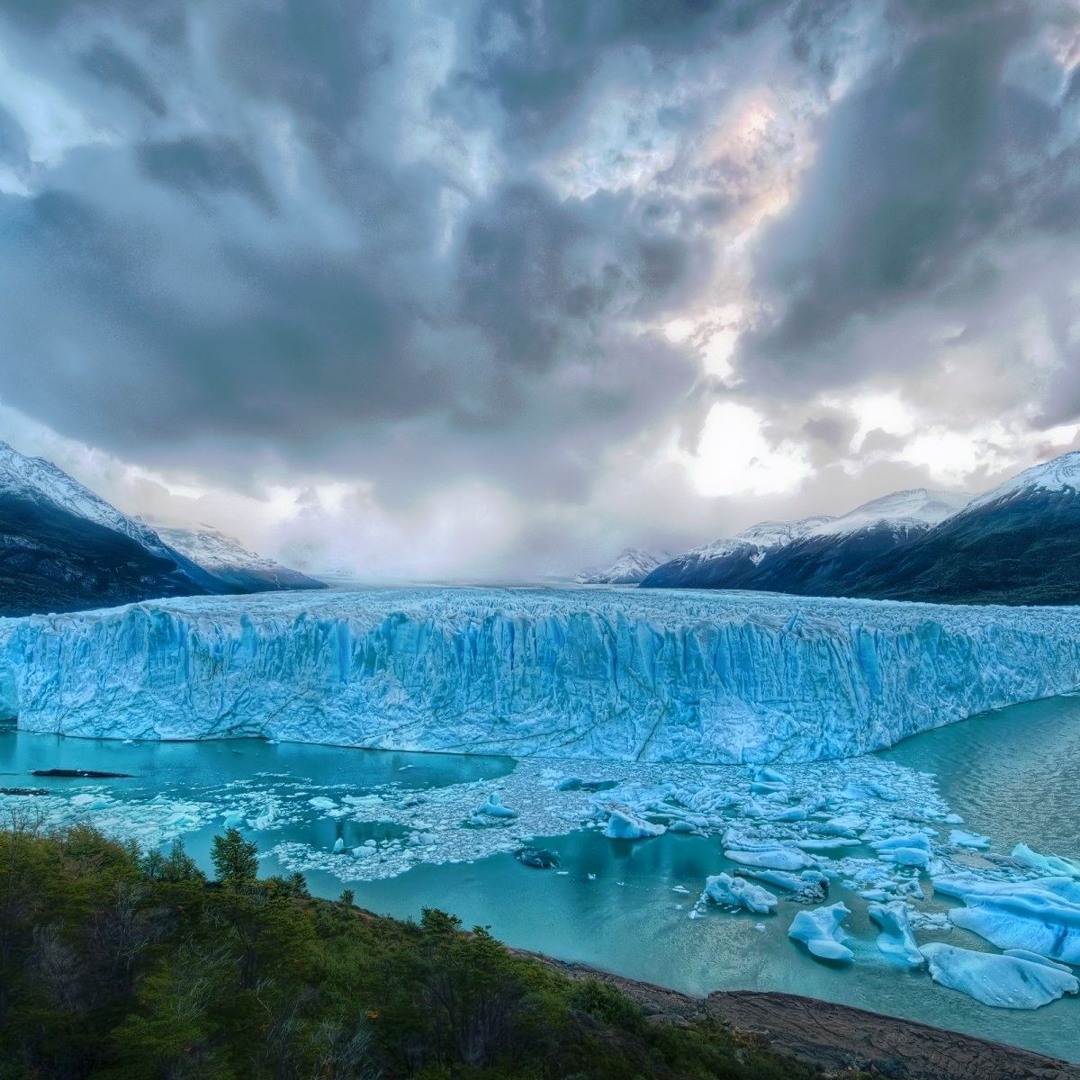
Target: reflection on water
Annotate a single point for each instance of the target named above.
(615, 905)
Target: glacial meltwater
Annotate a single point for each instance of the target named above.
(406, 831)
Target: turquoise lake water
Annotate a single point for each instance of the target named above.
(1010, 774)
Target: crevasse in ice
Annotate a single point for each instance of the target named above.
(627, 675)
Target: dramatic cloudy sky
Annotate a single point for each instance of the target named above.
(493, 288)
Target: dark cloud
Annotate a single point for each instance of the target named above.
(930, 157)
(198, 165)
(834, 431)
(250, 259)
(14, 145)
(112, 67)
(316, 59)
(164, 20)
(537, 60)
(436, 240)
(537, 272)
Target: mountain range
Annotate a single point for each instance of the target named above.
(1017, 544)
(631, 567)
(63, 548)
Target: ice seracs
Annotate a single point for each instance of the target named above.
(601, 674)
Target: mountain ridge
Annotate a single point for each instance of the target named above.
(64, 548)
(1015, 544)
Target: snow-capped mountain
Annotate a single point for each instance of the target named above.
(63, 548)
(631, 567)
(1016, 544)
(39, 481)
(226, 558)
(1059, 476)
(914, 509)
(757, 556)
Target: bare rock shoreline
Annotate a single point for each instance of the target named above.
(838, 1037)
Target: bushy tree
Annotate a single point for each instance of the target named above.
(235, 859)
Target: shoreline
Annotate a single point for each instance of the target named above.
(831, 1036)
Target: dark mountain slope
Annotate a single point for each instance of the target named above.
(54, 560)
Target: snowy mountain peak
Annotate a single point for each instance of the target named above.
(227, 559)
(762, 537)
(915, 508)
(39, 480)
(213, 549)
(632, 566)
(1060, 474)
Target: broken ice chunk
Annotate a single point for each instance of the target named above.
(820, 931)
(775, 858)
(896, 940)
(963, 838)
(624, 824)
(1042, 916)
(905, 850)
(728, 891)
(1049, 864)
(494, 808)
(1007, 982)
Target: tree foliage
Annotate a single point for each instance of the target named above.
(122, 965)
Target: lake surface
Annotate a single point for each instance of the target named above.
(1010, 775)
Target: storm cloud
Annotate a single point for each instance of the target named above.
(419, 245)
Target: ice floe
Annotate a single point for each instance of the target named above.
(896, 941)
(733, 892)
(820, 931)
(1008, 982)
(1041, 916)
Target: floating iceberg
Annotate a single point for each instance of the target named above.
(728, 891)
(820, 931)
(810, 886)
(905, 850)
(1008, 982)
(1047, 864)
(775, 857)
(1041, 916)
(494, 808)
(624, 824)
(963, 838)
(635, 676)
(896, 940)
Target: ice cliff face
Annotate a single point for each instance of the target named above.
(581, 673)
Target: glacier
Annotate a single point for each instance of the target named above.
(614, 674)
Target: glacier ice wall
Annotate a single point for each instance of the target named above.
(617, 674)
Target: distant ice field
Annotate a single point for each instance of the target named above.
(597, 674)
